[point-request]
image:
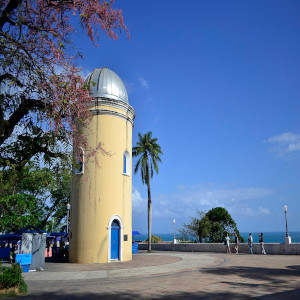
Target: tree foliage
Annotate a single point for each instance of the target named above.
(198, 229)
(41, 90)
(210, 227)
(222, 223)
(33, 195)
(19, 211)
(148, 152)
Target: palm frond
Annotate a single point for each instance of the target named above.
(148, 152)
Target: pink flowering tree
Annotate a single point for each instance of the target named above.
(41, 90)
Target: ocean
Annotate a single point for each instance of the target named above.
(269, 237)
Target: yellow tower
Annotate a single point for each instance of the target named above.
(101, 200)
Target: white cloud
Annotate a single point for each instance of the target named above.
(248, 211)
(187, 199)
(263, 210)
(162, 213)
(130, 86)
(285, 143)
(138, 203)
(183, 203)
(143, 82)
(156, 119)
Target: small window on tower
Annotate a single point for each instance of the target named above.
(79, 167)
(126, 163)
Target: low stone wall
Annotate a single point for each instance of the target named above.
(271, 248)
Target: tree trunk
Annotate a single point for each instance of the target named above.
(149, 215)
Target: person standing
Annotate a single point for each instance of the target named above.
(227, 238)
(236, 239)
(250, 243)
(48, 248)
(261, 240)
(12, 255)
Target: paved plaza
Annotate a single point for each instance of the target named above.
(171, 275)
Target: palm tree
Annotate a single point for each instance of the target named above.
(148, 152)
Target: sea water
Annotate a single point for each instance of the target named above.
(269, 237)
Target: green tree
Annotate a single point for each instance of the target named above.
(60, 194)
(19, 211)
(204, 229)
(148, 152)
(33, 195)
(21, 201)
(198, 229)
(210, 227)
(221, 224)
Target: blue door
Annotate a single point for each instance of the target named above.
(115, 228)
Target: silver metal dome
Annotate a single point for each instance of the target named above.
(106, 84)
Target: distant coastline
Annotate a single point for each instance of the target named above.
(269, 237)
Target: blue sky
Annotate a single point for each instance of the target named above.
(217, 82)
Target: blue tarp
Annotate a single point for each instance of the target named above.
(10, 237)
(134, 233)
(30, 229)
(58, 234)
(18, 234)
(4, 252)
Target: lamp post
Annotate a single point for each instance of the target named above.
(52, 223)
(286, 226)
(287, 237)
(68, 211)
(174, 230)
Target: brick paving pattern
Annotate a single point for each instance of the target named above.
(220, 276)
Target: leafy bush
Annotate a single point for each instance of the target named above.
(183, 241)
(12, 277)
(155, 239)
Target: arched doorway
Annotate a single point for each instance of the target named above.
(115, 233)
(115, 240)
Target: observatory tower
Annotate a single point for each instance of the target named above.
(101, 200)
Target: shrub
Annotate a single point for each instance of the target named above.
(23, 287)
(12, 277)
(155, 239)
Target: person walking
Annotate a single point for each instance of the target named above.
(227, 239)
(261, 240)
(250, 243)
(236, 239)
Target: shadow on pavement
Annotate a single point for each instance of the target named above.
(56, 260)
(256, 273)
(292, 294)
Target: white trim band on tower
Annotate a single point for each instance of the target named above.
(97, 111)
(114, 103)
